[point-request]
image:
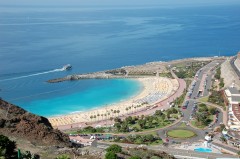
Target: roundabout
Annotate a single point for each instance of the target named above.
(180, 133)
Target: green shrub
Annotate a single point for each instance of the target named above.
(212, 110)
(155, 157)
(7, 147)
(218, 73)
(114, 148)
(135, 157)
(63, 157)
(110, 155)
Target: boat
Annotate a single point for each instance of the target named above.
(67, 67)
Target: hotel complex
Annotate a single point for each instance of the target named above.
(232, 132)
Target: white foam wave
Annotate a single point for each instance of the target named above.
(35, 74)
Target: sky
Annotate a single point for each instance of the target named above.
(118, 2)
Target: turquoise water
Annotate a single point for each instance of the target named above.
(200, 149)
(102, 93)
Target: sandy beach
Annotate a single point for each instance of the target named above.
(155, 89)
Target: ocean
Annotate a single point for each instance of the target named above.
(35, 41)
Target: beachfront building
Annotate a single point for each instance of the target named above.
(233, 96)
(83, 140)
(207, 141)
(232, 131)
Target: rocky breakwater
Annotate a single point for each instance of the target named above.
(118, 73)
(18, 123)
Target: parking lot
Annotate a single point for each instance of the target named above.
(198, 88)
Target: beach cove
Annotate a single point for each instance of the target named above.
(161, 87)
(155, 89)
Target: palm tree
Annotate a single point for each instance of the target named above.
(127, 110)
(91, 117)
(95, 117)
(118, 111)
(130, 108)
(139, 106)
(102, 116)
(111, 118)
(114, 112)
(98, 116)
(105, 116)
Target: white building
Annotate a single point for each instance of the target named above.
(233, 96)
(233, 126)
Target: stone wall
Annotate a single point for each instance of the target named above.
(237, 63)
(229, 74)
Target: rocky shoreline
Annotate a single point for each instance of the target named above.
(96, 75)
(138, 71)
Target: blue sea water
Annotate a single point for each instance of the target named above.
(37, 40)
(100, 93)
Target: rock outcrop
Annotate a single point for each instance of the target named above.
(18, 123)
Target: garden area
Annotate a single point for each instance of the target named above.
(216, 98)
(135, 124)
(189, 69)
(140, 123)
(218, 77)
(216, 94)
(180, 133)
(167, 74)
(179, 100)
(204, 116)
(87, 130)
(147, 139)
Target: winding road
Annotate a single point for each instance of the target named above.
(187, 112)
(200, 133)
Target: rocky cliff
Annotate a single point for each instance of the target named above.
(18, 123)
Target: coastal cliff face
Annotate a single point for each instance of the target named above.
(18, 123)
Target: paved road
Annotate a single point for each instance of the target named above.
(205, 76)
(208, 70)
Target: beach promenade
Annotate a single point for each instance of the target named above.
(157, 93)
